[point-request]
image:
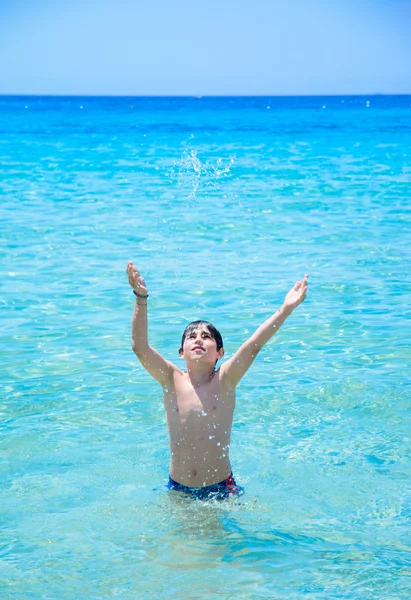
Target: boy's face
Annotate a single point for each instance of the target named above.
(199, 345)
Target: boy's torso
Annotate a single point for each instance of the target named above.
(199, 425)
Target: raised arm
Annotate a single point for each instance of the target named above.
(236, 367)
(158, 367)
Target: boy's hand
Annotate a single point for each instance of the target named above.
(136, 280)
(297, 294)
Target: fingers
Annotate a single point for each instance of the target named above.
(303, 283)
(304, 287)
(134, 277)
(131, 269)
(301, 287)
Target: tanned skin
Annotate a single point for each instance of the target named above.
(200, 401)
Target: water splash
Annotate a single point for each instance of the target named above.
(191, 174)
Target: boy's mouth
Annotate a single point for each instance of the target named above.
(198, 348)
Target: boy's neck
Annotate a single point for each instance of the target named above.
(200, 374)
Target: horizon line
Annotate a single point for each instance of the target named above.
(200, 96)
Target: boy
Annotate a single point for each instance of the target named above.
(200, 402)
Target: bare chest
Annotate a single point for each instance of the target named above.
(200, 405)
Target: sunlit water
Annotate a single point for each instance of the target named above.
(223, 204)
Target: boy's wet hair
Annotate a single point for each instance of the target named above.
(215, 334)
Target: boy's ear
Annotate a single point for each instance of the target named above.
(220, 353)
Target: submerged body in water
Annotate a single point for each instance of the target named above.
(216, 491)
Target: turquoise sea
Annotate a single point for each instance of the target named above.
(222, 203)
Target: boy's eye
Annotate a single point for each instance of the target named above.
(193, 335)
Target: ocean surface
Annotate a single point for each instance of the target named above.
(222, 203)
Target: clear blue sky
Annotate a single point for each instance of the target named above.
(208, 47)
